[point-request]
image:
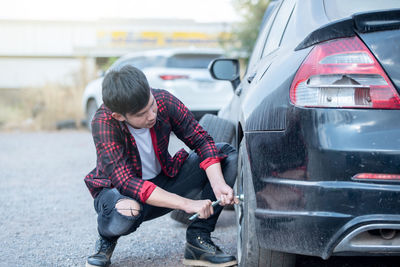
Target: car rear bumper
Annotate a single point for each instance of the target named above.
(328, 218)
(307, 200)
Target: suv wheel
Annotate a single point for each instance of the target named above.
(249, 251)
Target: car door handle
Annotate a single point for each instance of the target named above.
(251, 77)
(238, 91)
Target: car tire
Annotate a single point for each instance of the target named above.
(90, 111)
(249, 251)
(222, 131)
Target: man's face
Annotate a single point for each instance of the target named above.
(144, 118)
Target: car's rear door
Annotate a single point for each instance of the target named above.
(256, 65)
(254, 90)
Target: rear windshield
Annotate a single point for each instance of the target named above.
(338, 9)
(190, 61)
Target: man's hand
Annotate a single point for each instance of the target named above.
(224, 193)
(203, 207)
(162, 198)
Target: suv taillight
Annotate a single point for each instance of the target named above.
(171, 77)
(343, 74)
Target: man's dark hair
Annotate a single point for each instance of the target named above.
(125, 91)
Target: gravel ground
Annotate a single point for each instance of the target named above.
(47, 213)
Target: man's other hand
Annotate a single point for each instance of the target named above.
(203, 207)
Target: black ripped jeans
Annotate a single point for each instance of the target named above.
(190, 181)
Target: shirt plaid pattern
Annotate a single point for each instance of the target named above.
(118, 160)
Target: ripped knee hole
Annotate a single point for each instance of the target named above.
(128, 207)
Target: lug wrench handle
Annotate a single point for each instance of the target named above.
(215, 203)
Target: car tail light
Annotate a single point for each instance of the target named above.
(170, 77)
(343, 74)
(376, 176)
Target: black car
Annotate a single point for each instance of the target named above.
(317, 117)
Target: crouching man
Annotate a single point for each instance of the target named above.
(137, 180)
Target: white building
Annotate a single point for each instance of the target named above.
(33, 53)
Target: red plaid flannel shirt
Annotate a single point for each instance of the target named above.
(118, 160)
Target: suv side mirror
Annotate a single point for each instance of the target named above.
(225, 69)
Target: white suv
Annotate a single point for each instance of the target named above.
(183, 72)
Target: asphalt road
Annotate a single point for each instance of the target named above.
(47, 216)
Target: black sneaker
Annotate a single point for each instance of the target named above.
(200, 250)
(104, 251)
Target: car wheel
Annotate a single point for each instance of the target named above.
(248, 249)
(221, 130)
(90, 111)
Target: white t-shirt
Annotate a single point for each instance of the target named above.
(150, 165)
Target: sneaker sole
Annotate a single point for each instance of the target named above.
(208, 264)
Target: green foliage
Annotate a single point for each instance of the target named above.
(244, 33)
(108, 64)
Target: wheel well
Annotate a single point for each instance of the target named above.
(239, 135)
(88, 102)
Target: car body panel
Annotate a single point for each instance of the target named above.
(92, 92)
(303, 160)
(307, 218)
